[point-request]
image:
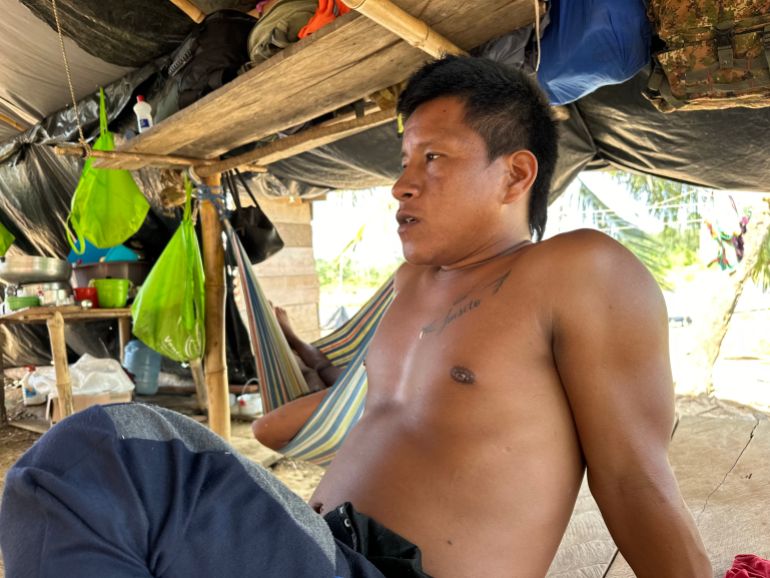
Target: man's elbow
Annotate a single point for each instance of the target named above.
(266, 433)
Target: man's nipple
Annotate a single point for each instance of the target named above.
(462, 375)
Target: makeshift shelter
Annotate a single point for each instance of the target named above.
(354, 57)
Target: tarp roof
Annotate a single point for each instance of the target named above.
(615, 125)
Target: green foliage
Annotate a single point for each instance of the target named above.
(674, 203)
(761, 273)
(352, 274)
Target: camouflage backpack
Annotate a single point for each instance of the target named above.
(717, 54)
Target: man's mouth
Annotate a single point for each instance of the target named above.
(405, 222)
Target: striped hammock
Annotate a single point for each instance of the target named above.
(280, 377)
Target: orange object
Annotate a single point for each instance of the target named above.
(327, 11)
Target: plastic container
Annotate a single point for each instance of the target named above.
(30, 395)
(143, 112)
(112, 293)
(144, 364)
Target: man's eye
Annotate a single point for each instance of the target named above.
(431, 156)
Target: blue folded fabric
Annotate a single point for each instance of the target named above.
(591, 43)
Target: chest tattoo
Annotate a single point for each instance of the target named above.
(462, 375)
(462, 306)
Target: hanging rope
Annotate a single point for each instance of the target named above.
(537, 33)
(69, 79)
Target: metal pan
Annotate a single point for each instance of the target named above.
(18, 270)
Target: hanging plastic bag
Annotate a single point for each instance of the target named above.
(107, 207)
(6, 240)
(168, 311)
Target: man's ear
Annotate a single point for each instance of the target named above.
(522, 172)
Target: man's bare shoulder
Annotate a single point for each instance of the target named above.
(588, 256)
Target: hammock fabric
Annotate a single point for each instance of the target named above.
(280, 377)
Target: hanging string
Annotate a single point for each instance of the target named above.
(537, 33)
(69, 78)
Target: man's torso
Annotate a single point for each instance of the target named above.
(467, 446)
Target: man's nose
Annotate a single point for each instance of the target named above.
(406, 186)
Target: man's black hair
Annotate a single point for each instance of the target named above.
(502, 104)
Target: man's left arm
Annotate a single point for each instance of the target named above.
(611, 350)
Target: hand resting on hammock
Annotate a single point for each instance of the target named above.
(278, 427)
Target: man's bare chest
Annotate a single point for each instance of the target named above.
(472, 336)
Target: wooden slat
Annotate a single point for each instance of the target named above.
(301, 142)
(340, 64)
(295, 234)
(70, 313)
(292, 261)
(294, 290)
(282, 211)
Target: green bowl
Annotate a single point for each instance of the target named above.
(21, 301)
(112, 293)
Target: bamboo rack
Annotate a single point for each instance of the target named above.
(298, 143)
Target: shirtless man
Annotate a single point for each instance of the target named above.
(504, 367)
(502, 370)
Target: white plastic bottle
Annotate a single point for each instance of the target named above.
(143, 112)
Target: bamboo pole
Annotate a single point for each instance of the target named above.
(127, 160)
(195, 13)
(215, 362)
(59, 351)
(402, 24)
(298, 143)
(12, 123)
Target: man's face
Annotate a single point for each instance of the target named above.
(450, 194)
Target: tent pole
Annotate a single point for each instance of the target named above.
(215, 362)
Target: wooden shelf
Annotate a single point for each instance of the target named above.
(343, 62)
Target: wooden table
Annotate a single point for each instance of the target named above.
(56, 318)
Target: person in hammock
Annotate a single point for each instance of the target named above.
(503, 370)
(278, 427)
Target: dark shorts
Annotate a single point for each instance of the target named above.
(393, 555)
(134, 491)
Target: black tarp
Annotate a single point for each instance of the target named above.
(36, 187)
(614, 126)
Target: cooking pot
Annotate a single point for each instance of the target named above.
(21, 269)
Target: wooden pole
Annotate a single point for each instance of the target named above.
(215, 362)
(131, 161)
(295, 144)
(402, 24)
(199, 378)
(3, 416)
(59, 352)
(195, 13)
(124, 336)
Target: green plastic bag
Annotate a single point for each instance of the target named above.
(6, 240)
(169, 310)
(107, 207)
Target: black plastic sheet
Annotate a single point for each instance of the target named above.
(122, 32)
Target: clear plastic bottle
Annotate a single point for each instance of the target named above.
(143, 112)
